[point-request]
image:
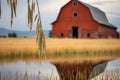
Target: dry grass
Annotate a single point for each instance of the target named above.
(74, 58)
(75, 70)
(17, 46)
(62, 49)
(83, 43)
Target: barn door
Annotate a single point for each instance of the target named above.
(75, 32)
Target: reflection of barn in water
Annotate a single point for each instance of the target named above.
(80, 20)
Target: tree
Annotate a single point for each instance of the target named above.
(40, 39)
(50, 33)
(118, 34)
(12, 34)
(3, 36)
(9, 34)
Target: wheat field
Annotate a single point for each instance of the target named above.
(61, 49)
(74, 58)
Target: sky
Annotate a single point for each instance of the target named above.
(49, 10)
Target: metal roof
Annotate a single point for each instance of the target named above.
(98, 15)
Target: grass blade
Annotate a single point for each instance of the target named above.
(36, 17)
(40, 39)
(16, 2)
(28, 12)
(33, 5)
(14, 7)
(51, 75)
(0, 8)
(8, 2)
(11, 13)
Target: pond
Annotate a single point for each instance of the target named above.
(106, 71)
(34, 70)
(22, 70)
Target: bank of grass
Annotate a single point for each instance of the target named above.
(61, 49)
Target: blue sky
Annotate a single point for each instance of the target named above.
(49, 12)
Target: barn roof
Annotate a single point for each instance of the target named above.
(97, 14)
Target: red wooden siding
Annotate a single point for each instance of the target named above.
(87, 26)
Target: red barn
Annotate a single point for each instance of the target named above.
(80, 20)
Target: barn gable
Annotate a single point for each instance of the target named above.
(97, 14)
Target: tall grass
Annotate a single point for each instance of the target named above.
(75, 70)
(60, 48)
(71, 56)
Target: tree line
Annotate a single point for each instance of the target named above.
(14, 35)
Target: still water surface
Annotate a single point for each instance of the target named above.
(106, 71)
(34, 70)
(22, 70)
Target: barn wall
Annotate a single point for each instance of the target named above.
(66, 29)
(66, 13)
(107, 32)
(62, 27)
(66, 20)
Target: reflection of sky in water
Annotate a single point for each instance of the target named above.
(115, 64)
(31, 70)
(110, 72)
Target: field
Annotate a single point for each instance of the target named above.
(61, 49)
(74, 58)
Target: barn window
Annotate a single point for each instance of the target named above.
(75, 3)
(75, 14)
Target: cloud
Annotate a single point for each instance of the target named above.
(114, 14)
(51, 6)
(102, 2)
(113, 19)
(49, 11)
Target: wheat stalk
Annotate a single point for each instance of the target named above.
(13, 6)
(40, 39)
(31, 10)
(0, 8)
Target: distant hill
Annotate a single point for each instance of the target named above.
(21, 34)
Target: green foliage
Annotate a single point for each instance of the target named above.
(50, 33)
(3, 36)
(12, 34)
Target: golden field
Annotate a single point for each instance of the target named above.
(77, 56)
(62, 49)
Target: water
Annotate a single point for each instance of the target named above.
(22, 70)
(33, 70)
(106, 71)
